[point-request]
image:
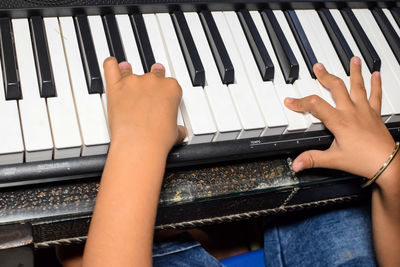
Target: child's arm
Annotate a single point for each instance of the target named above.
(142, 112)
(362, 145)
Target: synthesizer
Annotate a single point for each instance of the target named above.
(235, 62)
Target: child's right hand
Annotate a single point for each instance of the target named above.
(362, 142)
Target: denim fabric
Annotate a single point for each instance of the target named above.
(335, 238)
(182, 251)
(340, 238)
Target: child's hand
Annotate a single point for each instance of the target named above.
(362, 142)
(142, 108)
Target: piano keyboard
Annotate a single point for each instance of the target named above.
(235, 69)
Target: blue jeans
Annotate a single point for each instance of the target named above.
(335, 238)
(182, 251)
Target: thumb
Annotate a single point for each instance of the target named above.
(312, 159)
(182, 133)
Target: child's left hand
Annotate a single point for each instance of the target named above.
(142, 107)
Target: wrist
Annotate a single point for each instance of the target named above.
(141, 144)
(390, 178)
(131, 151)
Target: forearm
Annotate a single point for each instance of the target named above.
(386, 215)
(121, 230)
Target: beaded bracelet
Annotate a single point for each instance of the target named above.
(384, 166)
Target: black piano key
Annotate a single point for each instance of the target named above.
(257, 46)
(113, 37)
(143, 42)
(339, 42)
(192, 58)
(221, 56)
(89, 58)
(388, 31)
(287, 60)
(302, 40)
(396, 14)
(8, 61)
(367, 50)
(42, 58)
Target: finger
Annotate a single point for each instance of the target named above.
(315, 105)
(357, 88)
(375, 99)
(158, 69)
(112, 71)
(182, 133)
(126, 69)
(333, 83)
(313, 159)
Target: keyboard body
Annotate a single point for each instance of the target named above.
(181, 155)
(219, 181)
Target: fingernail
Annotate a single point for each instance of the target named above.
(356, 60)
(320, 66)
(289, 100)
(297, 166)
(158, 66)
(124, 65)
(376, 74)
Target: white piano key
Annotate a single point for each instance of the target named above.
(226, 119)
(387, 111)
(102, 51)
(33, 111)
(278, 75)
(167, 32)
(179, 121)
(276, 117)
(389, 15)
(194, 107)
(156, 41)
(203, 47)
(327, 46)
(390, 68)
(62, 114)
(308, 87)
(241, 92)
(331, 55)
(196, 115)
(305, 85)
(298, 122)
(89, 107)
(303, 70)
(129, 43)
(253, 126)
(180, 118)
(222, 107)
(160, 56)
(318, 51)
(268, 101)
(353, 46)
(11, 144)
(314, 40)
